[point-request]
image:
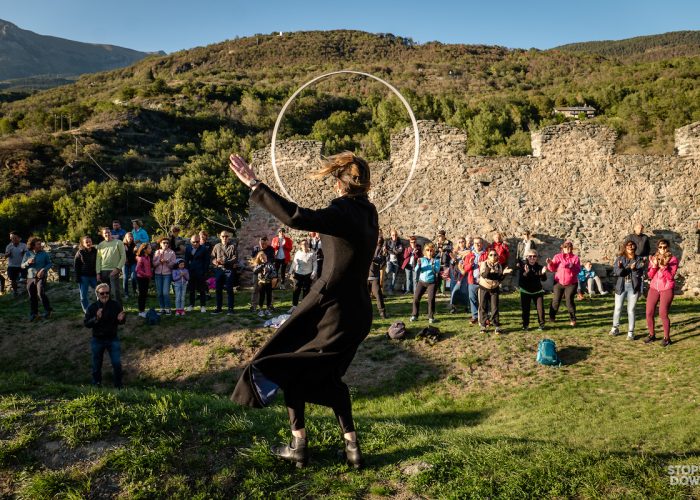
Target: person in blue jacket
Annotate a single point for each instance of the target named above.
(426, 277)
(37, 262)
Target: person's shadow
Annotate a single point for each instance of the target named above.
(573, 354)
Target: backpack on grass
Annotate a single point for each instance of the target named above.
(397, 330)
(547, 353)
(152, 317)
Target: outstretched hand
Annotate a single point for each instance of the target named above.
(242, 170)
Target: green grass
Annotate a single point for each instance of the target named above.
(472, 416)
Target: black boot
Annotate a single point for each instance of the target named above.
(353, 455)
(296, 451)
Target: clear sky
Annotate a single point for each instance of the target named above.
(151, 25)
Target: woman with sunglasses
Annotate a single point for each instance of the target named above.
(531, 276)
(565, 266)
(491, 273)
(629, 269)
(662, 272)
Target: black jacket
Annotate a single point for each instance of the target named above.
(197, 263)
(106, 327)
(378, 262)
(530, 279)
(623, 272)
(84, 263)
(311, 351)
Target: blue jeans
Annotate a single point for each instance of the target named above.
(180, 289)
(409, 280)
(474, 300)
(113, 347)
(85, 283)
(627, 292)
(129, 274)
(224, 279)
(391, 269)
(163, 290)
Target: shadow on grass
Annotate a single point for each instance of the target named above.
(573, 354)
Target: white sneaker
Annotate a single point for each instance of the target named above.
(291, 309)
(604, 293)
(268, 313)
(630, 335)
(142, 314)
(614, 331)
(261, 313)
(412, 318)
(188, 309)
(203, 309)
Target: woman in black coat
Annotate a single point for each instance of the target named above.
(309, 354)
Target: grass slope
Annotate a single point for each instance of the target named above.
(472, 416)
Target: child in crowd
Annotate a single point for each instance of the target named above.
(266, 275)
(426, 273)
(144, 273)
(181, 276)
(586, 277)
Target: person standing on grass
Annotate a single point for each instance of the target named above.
(265, 273)
(262, 246)
(224, 257)
(411, 254)
(394, 251)
(662, 274)
(427, 272)
(443, 252)
(37, 262)
(471, 262)
(316, 245)
(111, 257)
(130, 265)
(104, 317)
(565, 266)
(14, 252)
(373, 279)
(144, 274)
(181, 276)
(304, 269)
(85, 271)
(530, 277)
(197, 261)
(491, 273)
(282, 245)
(458, 278)
(310, 353)
(163, 261)
(629, 270)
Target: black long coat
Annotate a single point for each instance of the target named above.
(312, 350)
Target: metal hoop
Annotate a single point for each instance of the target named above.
(326, 75)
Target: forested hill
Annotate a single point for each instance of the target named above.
(164, 126)
(652, 47)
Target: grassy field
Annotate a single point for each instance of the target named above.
(472, 416)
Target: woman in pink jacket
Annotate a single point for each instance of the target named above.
(565, 266)
(163, 261)
(662, 272)
(144, 273)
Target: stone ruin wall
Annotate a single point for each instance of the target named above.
(573, 187)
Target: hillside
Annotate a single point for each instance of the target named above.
(651, 47)
(26, 54)
(165, 125)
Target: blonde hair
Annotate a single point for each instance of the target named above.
(99, 287)
(258, 259)
(429, 246)
(352, 172)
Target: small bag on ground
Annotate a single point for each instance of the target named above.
(547, 353)
(397, 330)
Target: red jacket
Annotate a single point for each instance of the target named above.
(502, 250)
(288, 244)
(407, 255)
(468, 264)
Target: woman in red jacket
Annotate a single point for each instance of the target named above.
(662, 272)
(565, 266)
(282, 245)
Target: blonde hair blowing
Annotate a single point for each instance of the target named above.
(352, 172)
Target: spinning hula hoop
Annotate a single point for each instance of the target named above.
(327, 75)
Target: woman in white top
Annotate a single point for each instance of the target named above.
(304, 269)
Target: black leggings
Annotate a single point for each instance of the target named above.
(302, 286)
(198, 284)
(568, 292)
(143, 292)
(281, 269)
(421, 288)
(526, 300)
(264, 294)
(343, 410)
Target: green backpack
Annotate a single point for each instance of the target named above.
(547, 353)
